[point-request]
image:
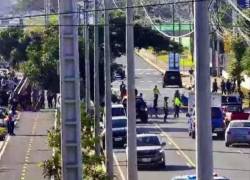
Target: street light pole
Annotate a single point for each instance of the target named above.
(86, 58)
(108, 115)
(70, 91)
(204, 157)
(131, 130)
(96, 77)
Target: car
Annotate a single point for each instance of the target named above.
(238, 131)
(150, 150)
(172, 78)
(119, 131)
(193, 177)
(3, 116)
(118, 110)
(141, 108)
(231, 102)
(217, 121)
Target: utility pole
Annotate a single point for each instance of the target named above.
(70, 91)
(96, 77)
(131, 130)
(108, 114)
(47, 11)
(173, 19)
(204, 156)
(86, 57)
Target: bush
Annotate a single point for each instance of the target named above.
(3, 132)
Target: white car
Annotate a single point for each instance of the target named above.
(238, 131)
(193, 177)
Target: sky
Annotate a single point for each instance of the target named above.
(5, 6)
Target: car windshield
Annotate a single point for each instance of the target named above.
(229, 99)
(119, 123)
(234, 109)
(118, 112)
(148, 141)
(240, 124)
(216, 113)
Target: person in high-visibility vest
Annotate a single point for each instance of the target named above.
(177, 105)
(156, 95)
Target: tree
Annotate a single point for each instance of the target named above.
(244, 24)
(239, 48)
(246, 61)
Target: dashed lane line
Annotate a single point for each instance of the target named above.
(119, 167)
(27, 155)
(4, 146)
(188, 159)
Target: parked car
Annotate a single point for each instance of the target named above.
(229, 102)
(119, 131)
(234, 115)
(172, 78)
(238, 131)
(150, 150)
(216, 120)
(141, 108)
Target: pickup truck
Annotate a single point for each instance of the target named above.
(218, 126)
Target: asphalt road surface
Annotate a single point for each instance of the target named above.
(233, 162)
(25, 151)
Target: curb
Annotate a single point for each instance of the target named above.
(158, 68)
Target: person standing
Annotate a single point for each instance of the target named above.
(228, 86)
(156, 92)
(165, 108)
(177, 105)
(223, 87)
(49, 99)
(215, 86)
(122, 90)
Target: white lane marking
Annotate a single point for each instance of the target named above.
(189, 165)
(4, 147)
(119, 167)
(188, 159)
(169, 143)
(177, 152)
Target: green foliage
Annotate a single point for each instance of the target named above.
(236, 67)
(246, 61)
(243, 23)
(92, 164)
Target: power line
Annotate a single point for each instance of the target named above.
(103, 9)
(239, 11)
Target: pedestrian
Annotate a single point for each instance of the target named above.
(228, 86)
(215, 86)
(191, 72)
(122, 90)
(177, 105)
(11, 123)
(177, 94)
(156, 92)
(233, 86)
(223, 87)
(49, 99)
(165, 108)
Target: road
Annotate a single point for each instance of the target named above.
(233, 162)
(25, 151)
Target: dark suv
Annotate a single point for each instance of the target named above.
(172, 78)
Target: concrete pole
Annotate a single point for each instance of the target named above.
(131, 130)
(173, 19)
(86, 58)
(204, 157)
(96, 77)
(70, 92)
(108, 114)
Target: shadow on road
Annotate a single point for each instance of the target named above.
(32, 135)
(167, 168)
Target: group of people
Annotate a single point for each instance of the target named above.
(177, 103)
(226, 87)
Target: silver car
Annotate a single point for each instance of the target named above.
(238, 131)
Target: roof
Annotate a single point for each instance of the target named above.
(238, 120)
(147, 135)
(119, 117)
(117, 106)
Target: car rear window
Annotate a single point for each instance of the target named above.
(118, 112)
(119, 123)
(148, 141)
(229, 99)
(240, 124)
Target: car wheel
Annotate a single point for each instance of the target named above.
(221, 135)
(193, 134)
(162, 165)
(163, 85)
(227, 144)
